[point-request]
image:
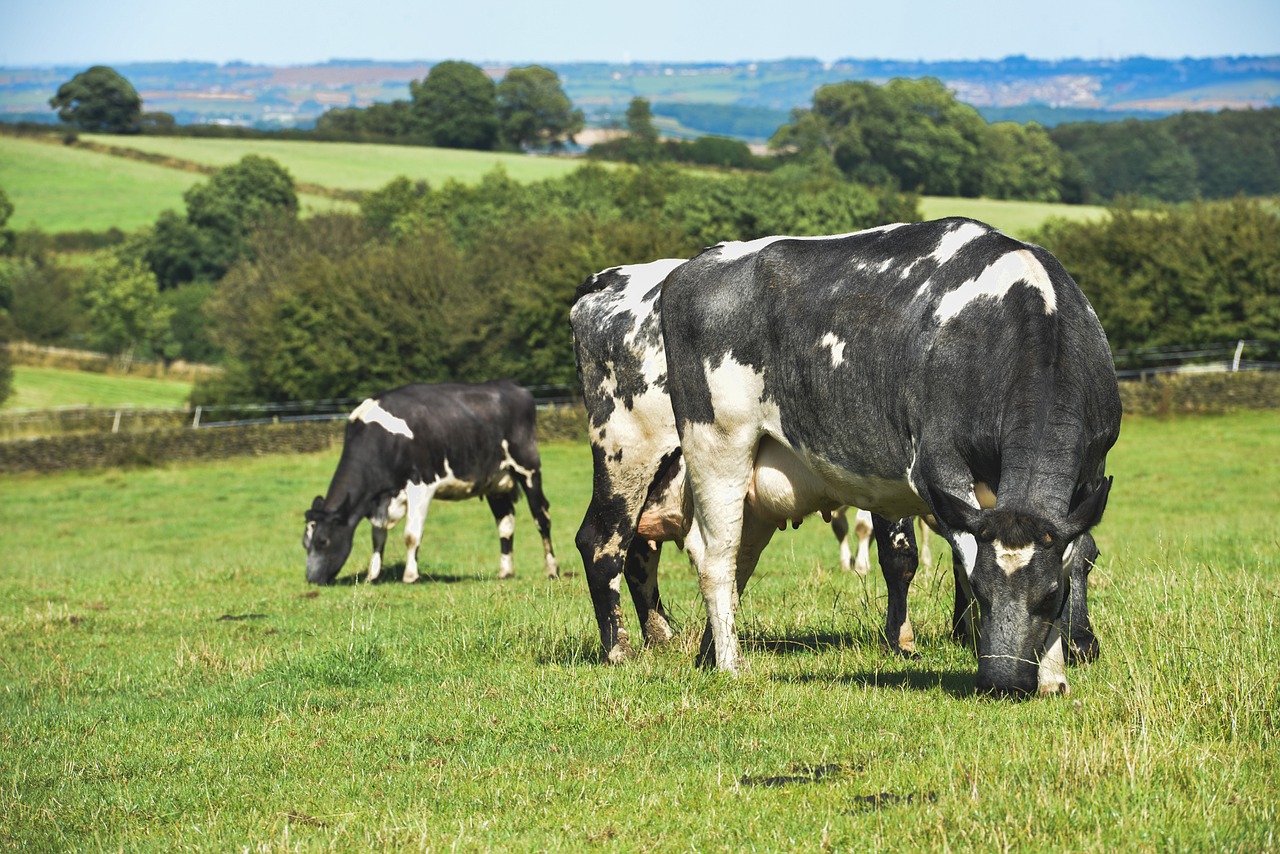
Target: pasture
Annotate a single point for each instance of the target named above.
(169, 681)
(56, 188)
(49, 388)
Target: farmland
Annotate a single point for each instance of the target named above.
(170, 681)
(48, 388)
(66, 189)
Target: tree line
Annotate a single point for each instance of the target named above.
(465, 283)
(910, 134)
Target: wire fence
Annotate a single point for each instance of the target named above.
(1134, 365)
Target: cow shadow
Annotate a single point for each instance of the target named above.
(394, 573)
(956, 683)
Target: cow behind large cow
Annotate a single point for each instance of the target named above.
(405, 447)
(638, 497)
(908, 369)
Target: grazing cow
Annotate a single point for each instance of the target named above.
(936, 368)
(409, 445)
(638, 496)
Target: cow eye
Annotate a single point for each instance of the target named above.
(984, 535)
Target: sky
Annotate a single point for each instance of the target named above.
(300, 32)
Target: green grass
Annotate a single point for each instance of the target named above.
(57, 188)
(352, 166)
(1012, 217)
(47, 388)
(168, 680)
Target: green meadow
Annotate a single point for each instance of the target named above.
(57, 188)
(169, 681)
(50, 388)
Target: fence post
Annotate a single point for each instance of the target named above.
(1235, 363)
(115, 425)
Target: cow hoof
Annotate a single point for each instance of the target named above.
(908, 654)
(410, 579)
(619, 654)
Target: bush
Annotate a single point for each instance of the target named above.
(1204, 273)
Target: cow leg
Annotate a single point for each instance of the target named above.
(895, 544)
(840, 527)
(862, 529)
(417, 500)
(756, 534)
(541, 510)
(642, 581)
(379, 543)
(504, 514)
(603, 540)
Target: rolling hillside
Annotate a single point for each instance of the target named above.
(57, 188)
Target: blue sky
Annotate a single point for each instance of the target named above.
(294, 32)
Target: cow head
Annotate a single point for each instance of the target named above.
(327, 540)
(1018, 568)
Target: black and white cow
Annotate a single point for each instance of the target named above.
(936, 368)
(638, 496)
(409, 445)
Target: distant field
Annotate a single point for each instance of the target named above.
(66, 189)
(46, 388)
(57, 188)
(352, 166)
(1016, 218)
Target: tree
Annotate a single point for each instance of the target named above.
(533, 111)
(126, 314)
(640, 122)
(455, 103)
(221, 212)
(1021, 162)
(98, 100)
(910, 132)
(6, 211)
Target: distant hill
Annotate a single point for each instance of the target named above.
(747, 100)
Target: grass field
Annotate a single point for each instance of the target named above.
(1015, 218)
(65, 189)
(56, 188)
(351, 166)
(48, 388)
(168, 680)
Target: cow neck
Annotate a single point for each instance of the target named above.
(355, 484)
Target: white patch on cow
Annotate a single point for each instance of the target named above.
(507, 525)
(996, 281)
(509, 462)
(1053, 669)
(450, 487)
(967, 545)
(862, 529)
(837, 348)
(371, 413)
(1012, 559)
(731, 250)
(955, 240)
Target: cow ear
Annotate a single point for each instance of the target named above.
(954, 512)
(1088, 512)
(318, 504)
